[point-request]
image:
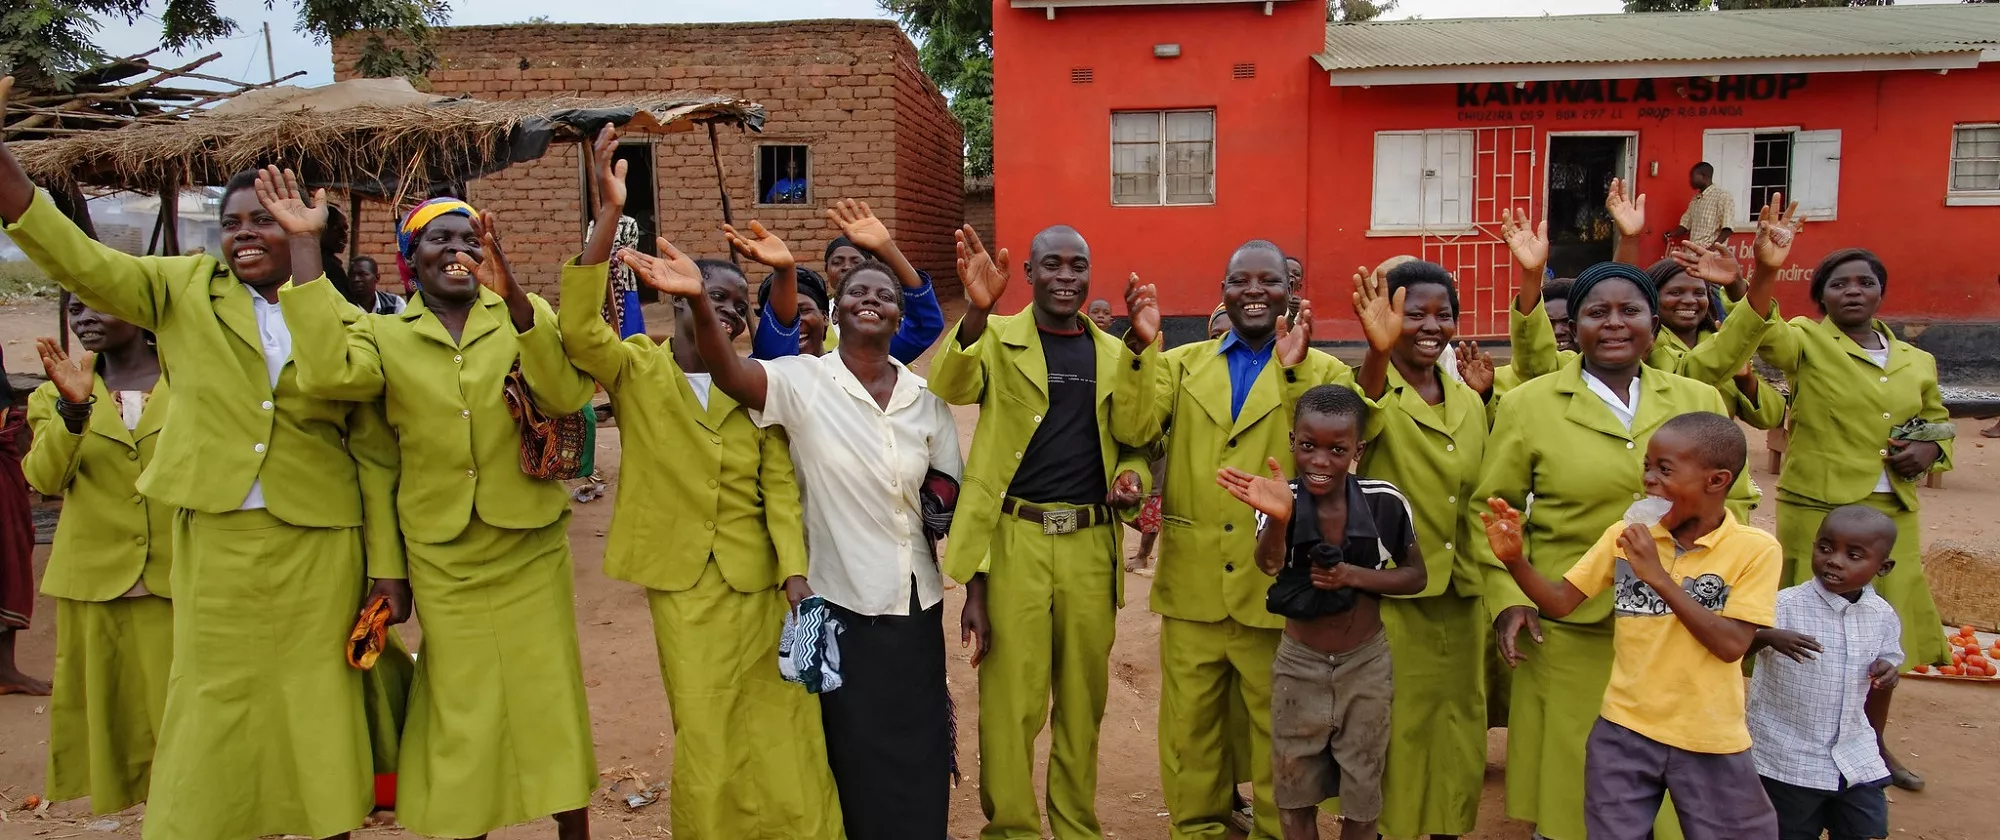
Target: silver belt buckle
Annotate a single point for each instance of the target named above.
(1056, 522)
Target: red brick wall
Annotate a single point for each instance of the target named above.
(837, 86)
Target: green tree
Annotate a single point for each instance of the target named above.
(956, 51)
(1357, 11)
(45, 42)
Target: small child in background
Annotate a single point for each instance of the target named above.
(1689, 595)
(1834, 639)
(1100, 314)
(1330, 539)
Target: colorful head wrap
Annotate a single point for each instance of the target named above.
(424, 214)
(1220, 308)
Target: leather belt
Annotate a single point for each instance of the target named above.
(1057, 520)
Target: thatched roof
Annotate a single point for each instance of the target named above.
(369, 136)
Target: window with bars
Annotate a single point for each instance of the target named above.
(1770, 167)
(1163, 157)
(1975, 162)
(784, 175)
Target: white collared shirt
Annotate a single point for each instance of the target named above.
(701, 383)
(859, 470)
(1807, 723)
(276, 337)
(1624, 411)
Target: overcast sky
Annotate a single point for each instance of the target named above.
(243, 56)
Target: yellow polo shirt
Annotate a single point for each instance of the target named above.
(1665, 684)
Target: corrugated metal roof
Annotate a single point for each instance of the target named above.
(1667, 36)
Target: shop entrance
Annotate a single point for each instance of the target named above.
(1581, 167)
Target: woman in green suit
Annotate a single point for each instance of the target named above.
(96, 424)
(1426, 435)
(1857, 395)
(1697, 341)
(498, 730)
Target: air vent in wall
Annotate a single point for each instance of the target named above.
(1244, 71)
(1081, 75)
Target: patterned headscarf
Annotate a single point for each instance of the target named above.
(413, 224)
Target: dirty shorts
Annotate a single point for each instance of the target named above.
(1330, 726)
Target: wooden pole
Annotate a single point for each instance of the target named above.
(270, 59)
(721, 186)
(589, 199)
(353, 227)
(170, 217)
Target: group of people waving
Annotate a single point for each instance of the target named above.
(313, 458)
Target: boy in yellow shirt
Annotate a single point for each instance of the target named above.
(1691, 588)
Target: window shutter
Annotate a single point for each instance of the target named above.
(1729, 153)
(1447, 182)
(1816, 173)
(1399, 174)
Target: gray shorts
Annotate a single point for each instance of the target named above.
(1626, 775)
(1330, 726)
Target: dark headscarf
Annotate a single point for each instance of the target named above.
(810, 284)
(838, 243)
(1603, 271)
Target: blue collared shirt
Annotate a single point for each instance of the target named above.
(1245, 365)
(923, 322)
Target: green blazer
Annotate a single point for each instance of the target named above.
(227, 427)
(110, 535)
(461, 449)
(1559, 442)
(1432, 454)
(696, 484)
(1208, 540)
(1843, 408)
(1006, 374)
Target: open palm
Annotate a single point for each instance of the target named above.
(1475, 367)
(1142, 309)
(761, 245)
(1270, 496)
(1711, 264)
(75, 376)
(1381, 315)
(1528, 242)
(1295, 339)
(1776, 226)
(1503, 530)
(492, 270)
(279, 192)
(1628, 212)
(984, 275)
(671, 273)
(860, 225)
(607, 171)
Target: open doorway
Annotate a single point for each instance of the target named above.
(1581, 167)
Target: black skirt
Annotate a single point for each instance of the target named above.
(888, 729)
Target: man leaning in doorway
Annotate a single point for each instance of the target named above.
(1708, 213)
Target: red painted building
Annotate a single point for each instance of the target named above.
(1170, 131)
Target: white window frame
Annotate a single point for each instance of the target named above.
(1454, 213)
(1954, 197)
(1813, 178)
(1160, 175)
(757, 172)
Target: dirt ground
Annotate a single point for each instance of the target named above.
(1950, 731)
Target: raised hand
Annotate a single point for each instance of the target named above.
(1503, 530)
(279, 192)
(1294, 340)
(1776, 226)
(75, 376)
(608, 174)
(1269, 496)
(761, 245)
(1381, 315)
(1475, 367)
(1712, 264)
(984, 275)
(1529, 242)
(1629, 213)
(493, 271)
(1142, 310)
(671, 273)
(860, 225)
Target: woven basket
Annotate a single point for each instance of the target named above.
(1965, 581)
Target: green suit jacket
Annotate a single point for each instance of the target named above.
(110, 535)
(696, 484)
(1006, 374)
(1208, 540)
(461, 448)
(1432, 454)
(1843, 408)
(321, 461)
(1557, 440)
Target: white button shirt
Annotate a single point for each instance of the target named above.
(1625, 410)
(859, 470)
(276, 337)
(1807, 725)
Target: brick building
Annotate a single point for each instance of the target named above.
(851, 115)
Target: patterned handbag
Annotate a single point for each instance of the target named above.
(553, 448)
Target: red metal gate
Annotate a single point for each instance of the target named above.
(1504, 176)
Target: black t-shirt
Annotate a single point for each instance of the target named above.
(1379, 530)
(1062, 464)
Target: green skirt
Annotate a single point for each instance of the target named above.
(498, 731)
(263, 731)
(1904, 587)
(1437, 749)
(1558, 694)
(112, 659)
(749, 753)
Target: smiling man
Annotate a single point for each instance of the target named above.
(1036, 535)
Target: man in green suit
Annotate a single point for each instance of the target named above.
(1035, 535)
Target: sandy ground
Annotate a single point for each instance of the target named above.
(1951, 731)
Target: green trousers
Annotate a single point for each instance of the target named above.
(1202, 664)
(1053, 604)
